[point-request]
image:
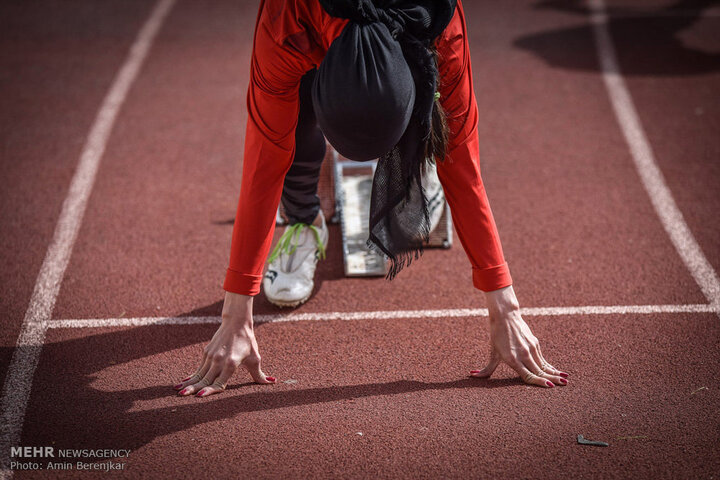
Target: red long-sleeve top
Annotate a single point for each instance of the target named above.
(291, 37)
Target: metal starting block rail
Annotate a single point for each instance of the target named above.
(350, 186)
(353, 204)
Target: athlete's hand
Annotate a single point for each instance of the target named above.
(232, 345)
(512, 342)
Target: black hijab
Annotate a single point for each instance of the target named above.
(373, 96)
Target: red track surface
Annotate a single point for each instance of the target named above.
(576, 223)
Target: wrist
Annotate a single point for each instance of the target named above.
(502, 302)
(237, 310)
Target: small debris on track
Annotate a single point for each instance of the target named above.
(581, 440)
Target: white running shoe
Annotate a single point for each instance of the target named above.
(289, 279)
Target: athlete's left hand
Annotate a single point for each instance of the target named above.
(512, 342)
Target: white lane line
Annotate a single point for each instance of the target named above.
(18, 381)
(385, 315)
(630, 13)
(652, 178)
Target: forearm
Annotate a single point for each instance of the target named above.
(272, 104)
(459, 173)
(473, 218)
(264, 167)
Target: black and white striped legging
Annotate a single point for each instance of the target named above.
(299, 197)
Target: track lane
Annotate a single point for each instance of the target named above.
(25, 357)
(57, 64)
(582, 226)
(681, 114)
(669, 58)
(157, 230)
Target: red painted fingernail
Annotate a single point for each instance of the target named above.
(563, 381)
(563, 374)
(271, 379)
(183, 391)
(201, 393)
(549, 383)
(474, 371)
(186, 379)
(178, 386)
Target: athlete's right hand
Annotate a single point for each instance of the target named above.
(232, 345)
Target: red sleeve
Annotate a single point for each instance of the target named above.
(460, 172)
(272, 105)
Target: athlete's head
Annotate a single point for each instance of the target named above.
(380, 74)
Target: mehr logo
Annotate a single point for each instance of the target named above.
(32, 452)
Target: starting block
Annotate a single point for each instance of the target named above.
(344, 190)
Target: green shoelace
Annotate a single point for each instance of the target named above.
(289, 241)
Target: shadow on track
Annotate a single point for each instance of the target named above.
(646, 41)
(66, 410)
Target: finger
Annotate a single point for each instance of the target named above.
(546, 370)
(190, 389)
(206, 380)
(490, 367)
(529, 377)
(546, 365)
(220, 382)
(195, 377)
(253, 365)
(210, 389)
(528, 361)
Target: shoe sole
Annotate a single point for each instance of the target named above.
(288, 304)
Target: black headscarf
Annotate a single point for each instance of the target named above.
(373, 95)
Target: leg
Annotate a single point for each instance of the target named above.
(299, 196)
(289, 280)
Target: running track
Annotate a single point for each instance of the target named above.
(122, 127)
